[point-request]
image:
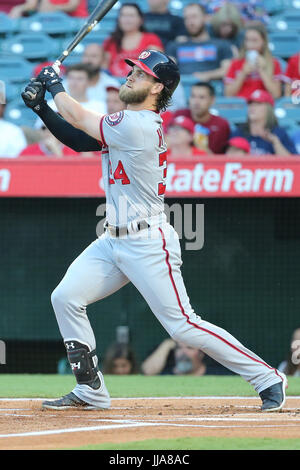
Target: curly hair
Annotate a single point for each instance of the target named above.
(164, 100)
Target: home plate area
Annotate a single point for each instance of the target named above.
(24, 425)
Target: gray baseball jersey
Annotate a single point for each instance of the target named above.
(134, 165)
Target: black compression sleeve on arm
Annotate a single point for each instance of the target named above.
(70, 136)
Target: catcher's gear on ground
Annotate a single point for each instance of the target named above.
(34, 94)
(160, 66)
(51, 79)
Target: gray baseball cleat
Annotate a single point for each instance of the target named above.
(68, 401)
(273, 398)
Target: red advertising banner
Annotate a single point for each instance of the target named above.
(217, 176)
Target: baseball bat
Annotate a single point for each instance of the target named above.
(97, 14)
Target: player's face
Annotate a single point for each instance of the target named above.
(137, 87)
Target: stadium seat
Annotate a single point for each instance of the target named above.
(274, 7)
(17, 113)
(286, 22)
(286, 109)
(54, 23)
(7, 25)
(94, 37)
(32, 46)
(15, 69)
(283, 63)
(12, 92)
(233, 109)
(284, 44)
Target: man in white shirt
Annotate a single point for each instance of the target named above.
(77, 79)
(100, 80)
(12, 138)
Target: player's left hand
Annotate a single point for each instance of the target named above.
(50, 78)
(34, 94)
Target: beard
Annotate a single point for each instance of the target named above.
(195, 33)
(129, 96)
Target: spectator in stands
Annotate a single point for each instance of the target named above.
(93, 55)
(291, 366)
(292, 74)
(113, 101)
(128, 40)
(201, 100)
(199, 55)
(120, 360)
(256, 69)
(47, 145)
(249, 10)
(173, 358)
(12, 138)
(262, 130)
(238, 146)
(77, 83)
(227, 24)
(77, 8)
(180, 139)
(160, 21)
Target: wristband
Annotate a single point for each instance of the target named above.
(56, 88)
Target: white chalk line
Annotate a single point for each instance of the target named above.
(129, 423)
(160, 398)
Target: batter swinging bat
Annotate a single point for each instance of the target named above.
(99, 12)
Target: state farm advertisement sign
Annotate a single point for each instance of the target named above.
(216, 176)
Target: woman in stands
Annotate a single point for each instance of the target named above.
(256, 69)
(227, 24)
(128, 40)
(262, 131)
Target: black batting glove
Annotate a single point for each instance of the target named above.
(34, 95)
(51, 79)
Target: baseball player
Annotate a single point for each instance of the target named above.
(138, 244)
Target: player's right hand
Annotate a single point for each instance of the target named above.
(34, 94)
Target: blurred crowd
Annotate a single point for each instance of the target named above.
(217, 45)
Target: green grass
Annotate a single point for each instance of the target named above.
(34, 386)
(202, 443)
(40, 386)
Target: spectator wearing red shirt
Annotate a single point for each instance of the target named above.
(47, 146)
(76, 8)
(201, 100)
(256, 69)
(292, 73)
(128, 40)
(180, 137)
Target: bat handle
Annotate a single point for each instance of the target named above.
(56, 66)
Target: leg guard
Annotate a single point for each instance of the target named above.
(83, 363)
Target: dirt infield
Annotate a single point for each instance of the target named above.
(24, 425)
